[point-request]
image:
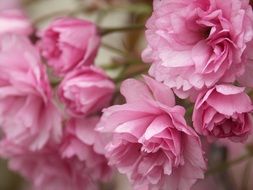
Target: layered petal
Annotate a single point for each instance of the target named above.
(86, 91)
(28, 114)
(223, 112)
(150, 141)
(68, 43)
(192, 45)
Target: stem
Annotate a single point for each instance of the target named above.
(135, 73)
(223, 166)
(136, 8)
(188, 114)
(106, 31)
(50, 15)
(114, 49)
(29, 2)
(59, 13)
(251, 94)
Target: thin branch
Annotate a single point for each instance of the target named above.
(114, 49)
(225, 165)
(106, 31)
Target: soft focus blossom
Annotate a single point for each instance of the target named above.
(76, 163)
(246, 79)
(9, 4)
(82, 141)
(151, 142)
(68, 43)
(86, 91)
(27, 114)
(46, 169)
(194, 44)
(223, 111)
(14, 21)
(209, 183)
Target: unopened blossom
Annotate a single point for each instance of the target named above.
(151, 142)
(27, 114)
(68, 43)
(224, 111)
(85, 91)
(82, 141)
(14, 21)
(193, 44)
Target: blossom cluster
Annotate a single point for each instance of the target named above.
(60, 129)
(204, 51)
(51, 97)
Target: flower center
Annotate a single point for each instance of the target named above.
(206, 32)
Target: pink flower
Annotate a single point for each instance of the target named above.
(151, 142)
(82, 141)
(28, 116)
(46, 169)
(76, 163)
(69, 43)
(14, 21)
(193, 44)
(223, 111)
(85, 91)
